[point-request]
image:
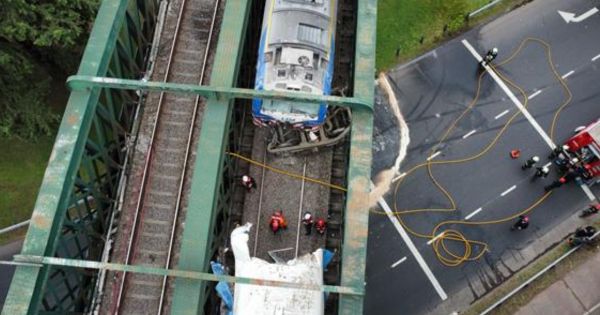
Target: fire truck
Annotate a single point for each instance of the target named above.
(585, 144)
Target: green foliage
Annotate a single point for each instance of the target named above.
(37, 38)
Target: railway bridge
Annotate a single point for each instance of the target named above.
(141, 189)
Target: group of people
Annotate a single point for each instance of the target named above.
(279, 222)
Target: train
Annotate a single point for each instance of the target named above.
(296, 53)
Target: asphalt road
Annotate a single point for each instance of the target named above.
(6, 254)
(433, 91)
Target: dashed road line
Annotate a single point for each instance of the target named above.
(566, 75)
(512, 96)
(506, 192)
(468, 134)
(502, 114)
(398, 262)
(434, 155)
(473, 213)
(588, 192)
(435, 238)
(535, 94)
(409, 243)
(594, 59)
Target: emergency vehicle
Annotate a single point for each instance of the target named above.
(586, 145)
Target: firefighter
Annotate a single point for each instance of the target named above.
(521, 224)
(277, 222)
(307, 221)
(542, 172)
(555, 184)
(321, 225)
(248, 182)
(489, 57)
(531, 162)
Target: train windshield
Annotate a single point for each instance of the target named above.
(291, 112)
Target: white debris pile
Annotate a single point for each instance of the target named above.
(267, 300)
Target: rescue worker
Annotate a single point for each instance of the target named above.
(555, 184)
(531, 162)
(542, 172)
(489, 57)
(307, 221)
(558, 151)
(277, 222)
(321, 225)
(248, 182)
(521, 224)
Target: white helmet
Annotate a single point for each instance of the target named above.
(565, 147)
(575, 160)
(307, 216)
(494, 50)
(535, 159)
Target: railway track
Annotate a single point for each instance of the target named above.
(151, 238)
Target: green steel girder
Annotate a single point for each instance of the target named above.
(197, 241)
(80, 82)
(39, 261)
(356, 217)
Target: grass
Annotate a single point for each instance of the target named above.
(401, 24)
(22, 166)
(526, 294)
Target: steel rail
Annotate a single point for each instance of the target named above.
(185, 161)
(148, 158)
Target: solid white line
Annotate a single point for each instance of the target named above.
(472, 214)
(398, 262)
(470, 133)
(535, 94)
(594, 59)
(435, 238)
(508, 190)
(502, 114)
(588, 192)
(438, 288)
(300, 210)
(512, 97)
(568, 74)
(434, 155)
(397, 178)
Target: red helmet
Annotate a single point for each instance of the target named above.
(275, 225)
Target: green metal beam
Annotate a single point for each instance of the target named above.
(24, 296)
(188, 296)
(356, 225)
(80, 82)
(39, 261)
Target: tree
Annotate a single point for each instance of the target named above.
(39, 40)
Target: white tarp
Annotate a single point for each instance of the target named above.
(265, 300)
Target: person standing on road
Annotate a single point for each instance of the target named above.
(555, 184)
(531, 162)
(248, 182)
(522, 223)
(321, 225)
(307, 221)
(542, 172)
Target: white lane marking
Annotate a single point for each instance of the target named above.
(398, 262)
(506, 192)
(512, 97)
(535, 94)
(566, 75)
(594, 59)
(438, 288)
(435, 238)
(472, 214)
(502, 114)
(434, 155)
(470, 133)
(397, 178)
(588, 192)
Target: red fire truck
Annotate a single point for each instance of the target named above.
(586, 145)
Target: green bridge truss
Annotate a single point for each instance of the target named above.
(57, 270)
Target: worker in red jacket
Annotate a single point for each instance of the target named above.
(321, 225)
(277, 221)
